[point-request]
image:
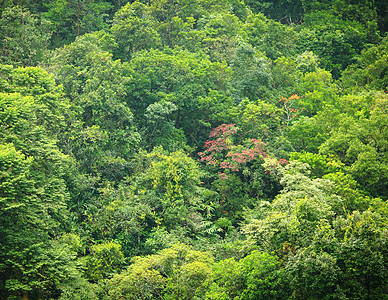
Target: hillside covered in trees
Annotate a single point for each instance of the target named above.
(193, 149)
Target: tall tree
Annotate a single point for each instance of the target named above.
(24, 37)
(72, 18)
(33, 190)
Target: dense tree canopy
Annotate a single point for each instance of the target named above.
(179, 149)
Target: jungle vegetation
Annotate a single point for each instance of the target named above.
(193, 149)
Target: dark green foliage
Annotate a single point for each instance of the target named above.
(179, 77)
(134, 29)
(334, 40)
(314, 276)
(72, 18)
(370, 70)
(362, 255)
(286, 11)
(270, 37)
(24, 37)
(193, 149)
(251, 74)
(102, 134)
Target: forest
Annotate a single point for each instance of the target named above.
(193, 149)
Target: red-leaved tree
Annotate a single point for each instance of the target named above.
(221, 152)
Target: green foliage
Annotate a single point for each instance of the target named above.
(134, 29)
(48, 104)
(171, 185)
(80, 289)
(120, 215)
(24, 37)
(363, 12)
(160, 203)
(349, 190)
(226, 282)
(104, 260)
(322, 260)
(34, 212)
(264, 277)
(307, 62)
(97, 160)
(363, 254)
(370, 70)
(287, 11)
(159, 238)
(14, 184)
(160, 129)
(270, 37)
(173, 273)
(251, 74)
(256, 276)
(341, 40)
(295, 211)
(319, 164)
(285, 77)
(195, 25)
(72, 18)
(314, 276)
(309, 133)
(36, 6)
(179, 77)
(27, 122)
(31, 261)
(102, 134)
(361, 147)
(256, 119)
(317, 90)
(218, 35)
